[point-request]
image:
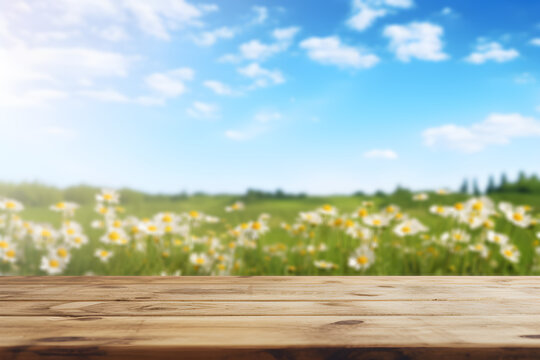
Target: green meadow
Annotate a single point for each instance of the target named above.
(280, 242)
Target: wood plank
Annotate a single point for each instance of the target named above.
(273, 331)
(270, 317)
(368, 291)
(268, 308)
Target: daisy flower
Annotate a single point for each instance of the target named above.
(51, 265)
(107, 196)
(237, 206)
(420, 197)
(497, 238)
(409, 228)
(480, 249)
(510, 253)
(11, 205)
(103, 255)
(324, 265)
(362, 258)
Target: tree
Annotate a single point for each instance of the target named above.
(476, 189)
(491, 186)
(464, 189)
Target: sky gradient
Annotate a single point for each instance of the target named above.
(318, 97)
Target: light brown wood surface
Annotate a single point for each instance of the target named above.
(269, 317)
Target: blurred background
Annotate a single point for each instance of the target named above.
(285, 107)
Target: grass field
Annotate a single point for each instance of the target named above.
(340, 235)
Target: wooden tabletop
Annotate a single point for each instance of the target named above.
(269, 317)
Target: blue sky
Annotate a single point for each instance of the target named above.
(323, 97)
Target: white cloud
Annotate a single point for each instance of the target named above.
(24, 70)
(171, 83)
(285, 34)
(366, 12)
(218, 87)
(155, 18)
(381, 154)
(107, 95)
(497, 129)
(255, 50)
(261, 14)
(203, 110)
(491, 51)
(330, 50)
(209, 38)
(447, 11)
(525, 78)
(112, 33)
(535, 41)
(262, 77)
(416, 40)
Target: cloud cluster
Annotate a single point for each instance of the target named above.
(366, 12)
(420, 40)
(57, 56)
(262, 77)
(330, 50)
(496, 129)
(492, 51)
(202, 110)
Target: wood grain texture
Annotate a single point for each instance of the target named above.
(269, 317)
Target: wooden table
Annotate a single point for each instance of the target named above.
(269, 317)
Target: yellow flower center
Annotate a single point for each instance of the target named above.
(103, 253)
(62, 252)
(10, 205)
(458, 206)
(3, 245)
(70, 231)
(45, 233)
(256, 225)
(54, 263)
(107, 197)
(60, 205)
(406, 229)
(517, 217)
(508, 253)
(327, 208)
(194, 214)
(362, 260)
(376, 222)
(362, 212)
(199, 261)
(478, 206)
(10, 253)
(166, 218)
(114, 236)
(152, 228)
